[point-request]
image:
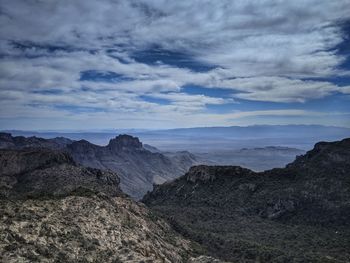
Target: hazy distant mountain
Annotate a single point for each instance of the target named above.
(257, 159)
(212, 139)
(300, 213)
(55, 211)
(206, 139)
(260, 131)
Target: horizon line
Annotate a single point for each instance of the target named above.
(108, 130)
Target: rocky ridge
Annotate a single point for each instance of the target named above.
(43, 172)
(300, 213)
(137, 167)
(53, 210)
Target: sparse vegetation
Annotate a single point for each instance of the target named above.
(297, 214)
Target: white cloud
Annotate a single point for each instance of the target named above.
(279, 89)
(263, 51)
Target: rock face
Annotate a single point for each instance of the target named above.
(124, 142)
(43, 172)
(300, 213)
(52, 210)
(86, 229)
(138, 167)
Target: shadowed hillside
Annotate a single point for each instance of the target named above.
(300, 213)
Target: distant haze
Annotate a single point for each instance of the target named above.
(215, 138)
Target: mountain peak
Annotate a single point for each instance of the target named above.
(325, 155)
(125, 141)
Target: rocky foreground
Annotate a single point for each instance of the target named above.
(300, 213)
(52, 210)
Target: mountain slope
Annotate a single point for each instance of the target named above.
(300, 213)
(52, 210)
(40, 172)
(137, 167)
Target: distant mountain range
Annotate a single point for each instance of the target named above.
(300, 213)
(211, 139)
(257, 159)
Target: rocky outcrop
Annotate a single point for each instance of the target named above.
(124, 142)
(93, 228)
(137, 167)
(53, 210)
(325, 155)
(43, 172)
(241, 215)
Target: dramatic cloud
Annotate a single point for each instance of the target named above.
(100, 59)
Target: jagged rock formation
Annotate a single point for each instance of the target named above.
(52, 210)
(137, 167)
(300, 213)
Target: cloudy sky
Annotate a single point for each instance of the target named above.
(87, 64)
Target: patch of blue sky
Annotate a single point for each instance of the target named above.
(48, 91)
(156, 100)
(211, 92)
(337, 80)
(158, 56)
(102, 76)
(78, 109)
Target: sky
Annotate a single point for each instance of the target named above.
(160, 64)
